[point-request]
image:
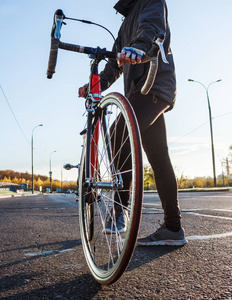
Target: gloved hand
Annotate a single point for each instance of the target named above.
(130, 55)
(83, 91)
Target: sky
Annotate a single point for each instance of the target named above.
(201, 45)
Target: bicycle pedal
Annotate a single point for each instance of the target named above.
(69, 166)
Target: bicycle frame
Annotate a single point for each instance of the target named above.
(92, 131)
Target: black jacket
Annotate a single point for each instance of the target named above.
(144, 20)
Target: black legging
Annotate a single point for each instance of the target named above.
(149, 111)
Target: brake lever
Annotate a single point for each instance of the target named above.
(58, 21)
(159, 43)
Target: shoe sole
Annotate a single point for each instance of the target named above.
(163, 243)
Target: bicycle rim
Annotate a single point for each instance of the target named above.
(108, 254)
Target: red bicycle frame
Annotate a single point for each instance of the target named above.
(94, 82)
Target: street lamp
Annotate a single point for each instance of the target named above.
(211, 125)
(50, 173)
(32, 150)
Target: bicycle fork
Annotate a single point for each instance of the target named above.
(93, 177)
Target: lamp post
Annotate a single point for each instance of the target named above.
(61, 185)
(50, 173)
(32, 150)
(211, 125)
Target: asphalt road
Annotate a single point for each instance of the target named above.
(41, 254)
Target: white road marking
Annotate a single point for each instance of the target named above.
(206, 237)
(222, 209)
(208, 216)
(44, 253)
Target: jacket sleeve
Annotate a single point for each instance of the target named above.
(152, 23)
(111, 71)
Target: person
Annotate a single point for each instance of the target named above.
(143, 21)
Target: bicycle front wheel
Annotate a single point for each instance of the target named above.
(116, 183)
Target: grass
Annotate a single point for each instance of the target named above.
(6, 192)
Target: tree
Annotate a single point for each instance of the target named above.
(56, 184)
(149, 178)
(15, 180)
(38, 183)
(209, 182)
(6, 179)
(230, 160)
(199, 182)
(184, 183)
(23, 180)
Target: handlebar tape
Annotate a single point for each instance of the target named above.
(151, 56)
(55, 35)
(52, 57)
(151, 76)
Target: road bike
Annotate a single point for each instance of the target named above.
(111, 152)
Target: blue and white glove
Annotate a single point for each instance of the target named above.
(130, 55)
(133, 53)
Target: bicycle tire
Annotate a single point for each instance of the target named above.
(90, 217)
(108, 255)
(88, 200)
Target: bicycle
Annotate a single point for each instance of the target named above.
(110, 122)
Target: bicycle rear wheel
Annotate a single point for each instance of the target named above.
(116, 180)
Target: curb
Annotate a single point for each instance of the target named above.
(16, 195)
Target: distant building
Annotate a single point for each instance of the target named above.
(13, 187)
